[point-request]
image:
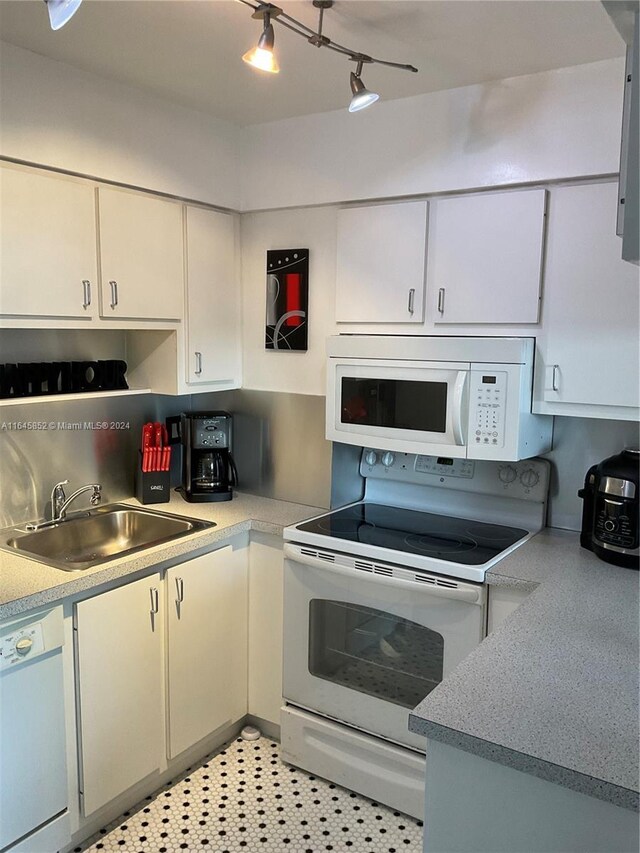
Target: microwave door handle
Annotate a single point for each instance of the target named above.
(458, 406)
(468, 594)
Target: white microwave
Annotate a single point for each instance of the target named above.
(466, 398)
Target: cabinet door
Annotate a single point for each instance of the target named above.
(120, 689)
(213, 298)
(141, 257)
(381, 263)
(48, 256)
(207, 617)
(265, 627)
(486, 257)
(591, 307)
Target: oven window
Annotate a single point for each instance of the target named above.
(373, 652)
(395, 403)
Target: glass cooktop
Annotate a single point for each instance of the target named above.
(457, 540)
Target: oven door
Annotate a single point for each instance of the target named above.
(364, 648)
(407, 406)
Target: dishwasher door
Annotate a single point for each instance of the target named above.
(33, 763)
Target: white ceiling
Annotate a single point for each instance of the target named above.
(189, 50)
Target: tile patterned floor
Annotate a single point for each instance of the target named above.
(246, 800)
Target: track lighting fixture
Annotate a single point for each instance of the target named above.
(262, 56)
(60, 11)
(362, 97)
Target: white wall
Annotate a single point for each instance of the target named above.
(313, 229)
(56, 115)
(556, 124)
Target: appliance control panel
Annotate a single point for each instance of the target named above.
(21, 644)
(210, 433)
(444, 466)
(525, 480)
(487, 401)
(614, 522)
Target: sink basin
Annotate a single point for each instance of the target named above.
(99, 535)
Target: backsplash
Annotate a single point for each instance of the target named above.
(279, 447)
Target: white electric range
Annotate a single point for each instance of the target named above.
(382, 599)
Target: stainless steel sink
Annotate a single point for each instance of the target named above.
(97, 536)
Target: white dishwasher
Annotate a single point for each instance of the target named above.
(33, 761)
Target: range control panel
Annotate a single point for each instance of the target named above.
(526, 480)
(487, 401)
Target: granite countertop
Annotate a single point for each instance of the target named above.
(554, 690)
(26, 584)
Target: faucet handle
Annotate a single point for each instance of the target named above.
(96, 495)
(57, 489)
(58, 497)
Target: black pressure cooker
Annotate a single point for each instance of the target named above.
(611, 509)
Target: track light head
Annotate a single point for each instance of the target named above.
(262, 56)
(362, 97)
(60, 11)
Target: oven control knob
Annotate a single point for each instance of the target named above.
(371, 457)
(23, 646)
(529, 478)
(388, 459)
(507, 474)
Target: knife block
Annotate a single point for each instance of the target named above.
(152, 487)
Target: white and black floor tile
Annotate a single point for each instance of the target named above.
(246, 800)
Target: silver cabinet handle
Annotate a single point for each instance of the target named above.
(114, 293)
(155, 600)
(554, 377)
(412, 294)
(441, 301)
(86, 293)
(179, 590)
(198, 369)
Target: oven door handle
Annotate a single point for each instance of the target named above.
(465, 592)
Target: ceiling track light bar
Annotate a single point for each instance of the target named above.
(315, 37)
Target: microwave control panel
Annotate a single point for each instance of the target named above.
(487, 402)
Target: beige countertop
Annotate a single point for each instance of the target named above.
(26, 584)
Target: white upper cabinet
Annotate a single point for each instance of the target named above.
(485, 261)
(48, 258)
(141, 256)
(588, 351)
(381, 261)
(212, 341)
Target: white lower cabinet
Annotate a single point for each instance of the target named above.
(265, 627)
(161, 664)
(207, 645)
(119, 668)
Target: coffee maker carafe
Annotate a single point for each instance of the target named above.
(208, 470)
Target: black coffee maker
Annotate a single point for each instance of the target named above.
(611, 509)
(208, 470)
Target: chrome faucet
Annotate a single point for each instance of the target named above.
(60, 502)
